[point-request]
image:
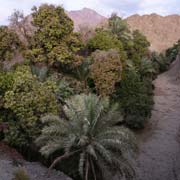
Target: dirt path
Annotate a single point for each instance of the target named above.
(159, 157)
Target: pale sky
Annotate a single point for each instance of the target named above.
(104, 7)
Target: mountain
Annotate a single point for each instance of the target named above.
(86, 17)
(161, 31)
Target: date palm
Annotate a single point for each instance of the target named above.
(91, 132)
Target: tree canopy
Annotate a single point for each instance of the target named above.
(54, 39)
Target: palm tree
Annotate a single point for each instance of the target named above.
(91, 132)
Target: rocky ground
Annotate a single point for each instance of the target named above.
(10, 161)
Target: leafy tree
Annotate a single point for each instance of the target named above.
(105, 40)
(147, 69)
(134, 43)
(9, 44)
(140, 47)
(28, 99)
(119, 27)
(90, 131)
(135, 96)
(106, 71)
(171, 53)
(54, 39)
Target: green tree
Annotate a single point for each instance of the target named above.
(28, 99)
(140, 47)
(119, 27)
(9, 44)
(105, 40)
(106, 71)
(135, 96)
(90, 131)
(54, 39)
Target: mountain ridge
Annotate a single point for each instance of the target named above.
(161, 31)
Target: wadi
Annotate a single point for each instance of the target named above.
(89, 97)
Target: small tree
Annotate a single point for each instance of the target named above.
(9, 44)
(90, 131)
(54, 39)
(105, 40)
(106, 71)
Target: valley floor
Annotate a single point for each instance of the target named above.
(159, 156)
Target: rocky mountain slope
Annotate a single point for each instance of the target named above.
(161, 31)
(86, 17)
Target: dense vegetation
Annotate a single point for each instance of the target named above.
(76, 98)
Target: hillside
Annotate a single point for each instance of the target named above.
(85, 17)
(161, 31)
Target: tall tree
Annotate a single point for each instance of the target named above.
(54, 39)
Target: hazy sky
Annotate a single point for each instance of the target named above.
(104, 7)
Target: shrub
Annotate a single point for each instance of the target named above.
(28, 99)
(9, 45)
(135, 97)
(105, 40)
(21, 174)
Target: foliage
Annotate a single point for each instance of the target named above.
(147, 69)
(119, 27)
(160, 62)
(54, 39)
(172, 52)
(135, 97)
(6, 82)
(106, 71)
(28, 100)
(105, 40)
(41, 72)
(9, 44)
(21, 174)
(134, 43)
(90, 131)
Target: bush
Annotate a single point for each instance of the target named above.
(21, 174)
(9, 45)
(28, 99)
(105, 40)
(135, 96)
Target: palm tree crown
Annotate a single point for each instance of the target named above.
(91, 132)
